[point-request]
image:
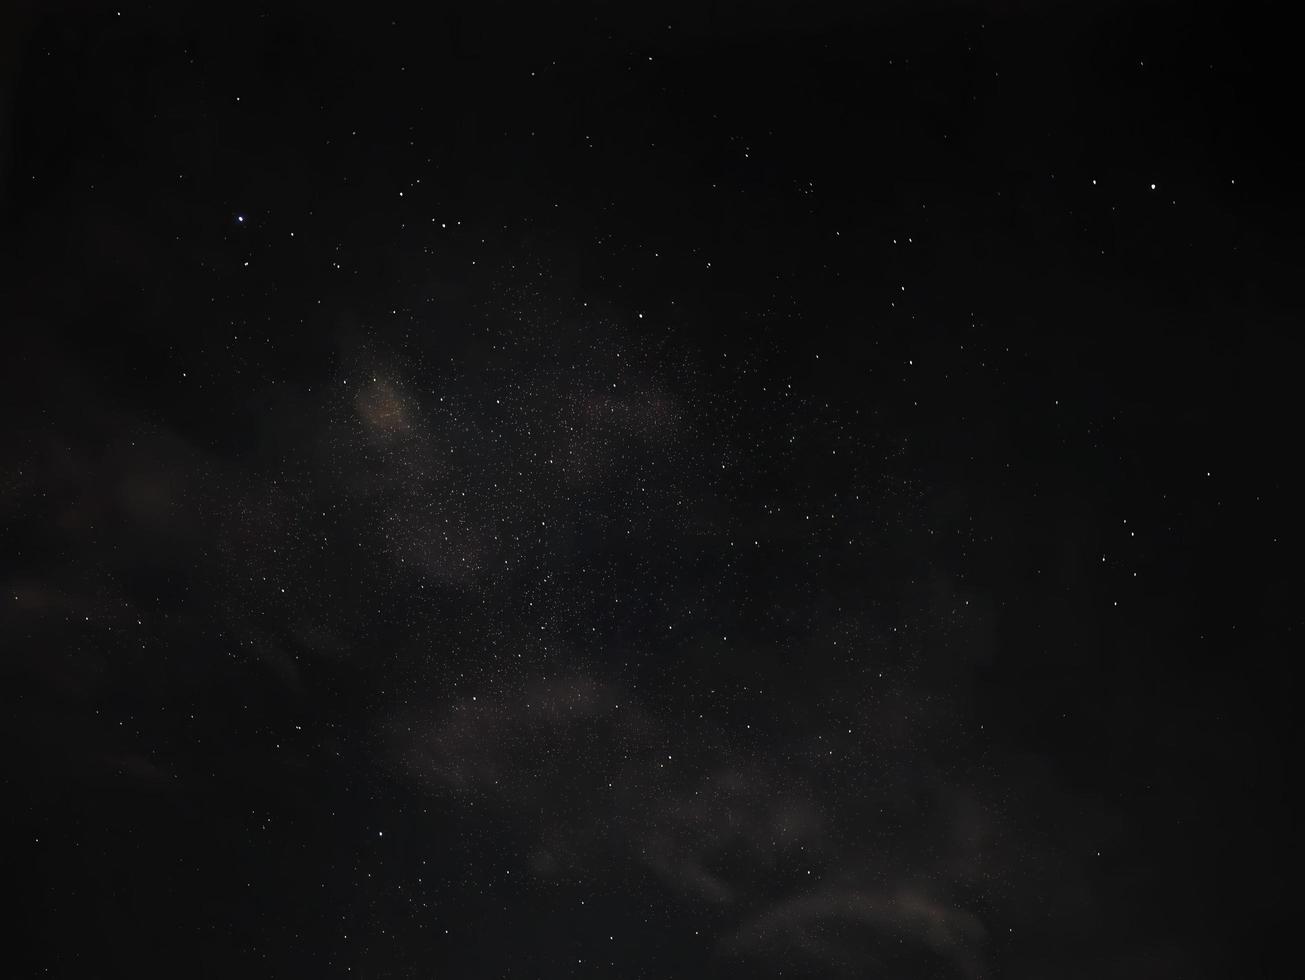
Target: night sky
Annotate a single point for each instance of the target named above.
(719, 489)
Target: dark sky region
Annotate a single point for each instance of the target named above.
(717, 489)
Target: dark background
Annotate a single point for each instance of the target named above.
(717, 489)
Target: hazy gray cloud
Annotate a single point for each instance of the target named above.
(591, 773)
(821, 923)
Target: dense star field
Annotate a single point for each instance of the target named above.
(718, 490)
